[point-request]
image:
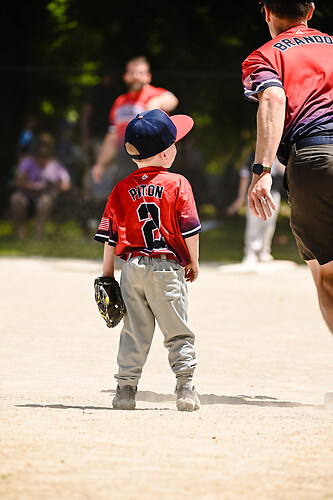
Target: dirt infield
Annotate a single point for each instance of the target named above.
(265, 363)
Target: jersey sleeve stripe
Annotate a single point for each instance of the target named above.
(194, 231)
(251, 94)
(102, 238)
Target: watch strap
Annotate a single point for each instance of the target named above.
(259, 168)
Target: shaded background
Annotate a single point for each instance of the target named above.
(52, 51)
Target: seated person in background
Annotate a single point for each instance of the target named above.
(40, 178)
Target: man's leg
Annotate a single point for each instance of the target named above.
(44, 206)
(323, 278)
(252, 237)
(270, 226)
(19, 211)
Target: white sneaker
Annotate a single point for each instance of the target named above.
(266, 257)
(187, 398)
(124, 398)
(250, 258)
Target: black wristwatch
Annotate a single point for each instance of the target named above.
(259, 168)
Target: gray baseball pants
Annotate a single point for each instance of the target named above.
(154, 289)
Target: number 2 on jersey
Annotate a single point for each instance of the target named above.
(150, 214)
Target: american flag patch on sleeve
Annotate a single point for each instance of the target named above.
(248, 82)
(104, 224)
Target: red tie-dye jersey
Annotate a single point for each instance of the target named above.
(127, 106)
(299, 60)
(151, 212)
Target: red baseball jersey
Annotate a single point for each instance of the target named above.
(127, 106)
(151, 212)
(299, 60)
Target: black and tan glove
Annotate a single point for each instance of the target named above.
(109, 300)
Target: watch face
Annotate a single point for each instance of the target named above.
(257, 168)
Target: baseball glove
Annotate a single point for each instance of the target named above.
(109, 300)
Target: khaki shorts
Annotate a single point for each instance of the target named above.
(310, 180)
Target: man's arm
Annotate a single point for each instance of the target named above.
(192, 269)
(65, 185)
(270, 123)
(241, 197)
(106, 154)
(22, 182)
(108, 260)
(166, 101)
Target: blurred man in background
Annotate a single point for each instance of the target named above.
(141, 96)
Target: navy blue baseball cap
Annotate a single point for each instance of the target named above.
(152, 132)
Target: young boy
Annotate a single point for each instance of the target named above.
(151, 221)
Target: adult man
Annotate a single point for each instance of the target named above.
(292, 78)
(141, 96)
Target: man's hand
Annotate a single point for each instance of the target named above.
(235, 206)
(259, 196)
(166, 101)
(97, 172)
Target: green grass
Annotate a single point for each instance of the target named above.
(64, 240)
(224, 243)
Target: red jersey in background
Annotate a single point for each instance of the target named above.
(127, 106)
